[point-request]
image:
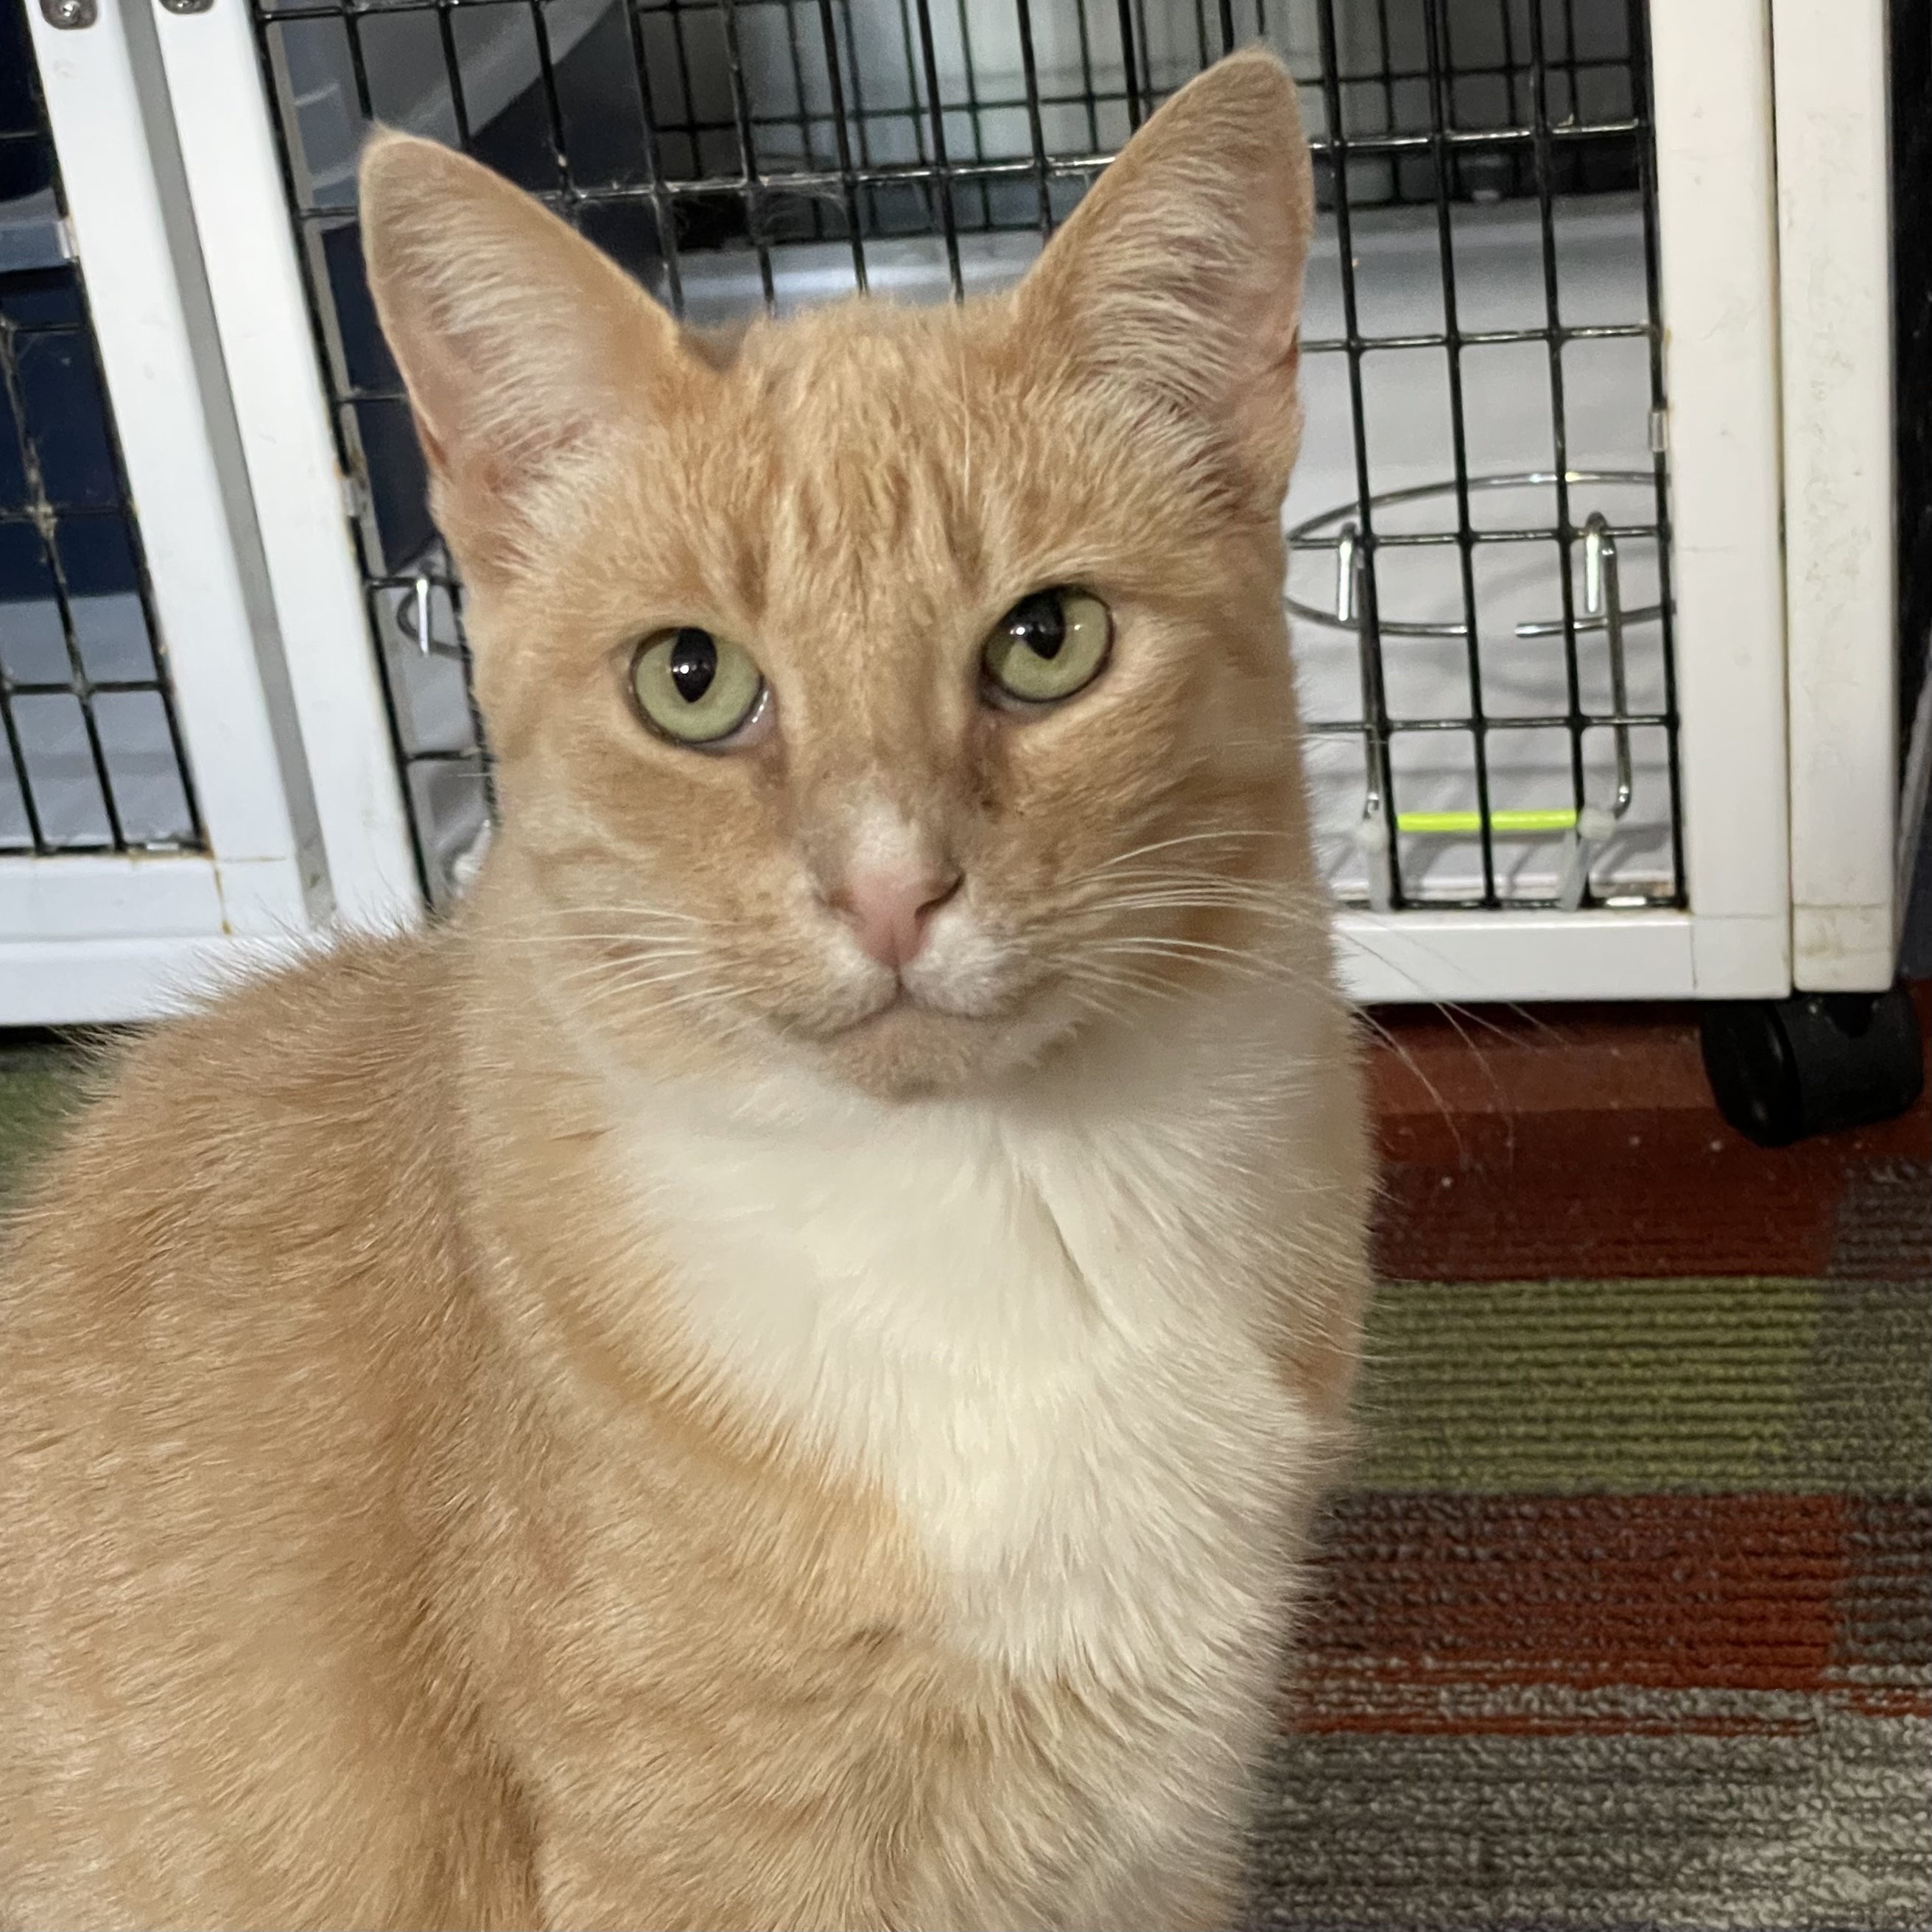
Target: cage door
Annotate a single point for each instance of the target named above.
(155, 817)
(1555, 689)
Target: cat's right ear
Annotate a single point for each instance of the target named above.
(520, 342)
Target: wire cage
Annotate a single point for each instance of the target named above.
(1479, 573)
(92, 759)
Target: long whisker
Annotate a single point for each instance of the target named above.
(1390, 1040)
(1096, 887)
(1190, 838)
(715, 995)
(1237, 958)
(624, 909)
(635, 986)
(1174, 898)
(1106, 989)
(674, 943)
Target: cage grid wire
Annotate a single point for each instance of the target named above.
(94, 760)
(1482, 348)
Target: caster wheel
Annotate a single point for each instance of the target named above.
(1783, 1069)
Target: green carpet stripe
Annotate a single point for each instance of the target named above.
(40, 1086)
(1632, 1387)
(1668, 1820)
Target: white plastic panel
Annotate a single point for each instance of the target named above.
(1475, 957)
(228, 154)
(103, 896)
(164, 406)
(1835, 282)
(104, 981)
(1711, 77)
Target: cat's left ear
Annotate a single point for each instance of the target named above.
(1177, 280)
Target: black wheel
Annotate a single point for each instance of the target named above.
(1783, 1069)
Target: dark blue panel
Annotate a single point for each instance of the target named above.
(26, 160)
(66, 420)
(14, 495)
(398, 486)
(370, 366)
(104, 588)
(43, 299)
(20, 111)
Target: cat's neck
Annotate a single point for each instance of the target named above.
(670, 1204)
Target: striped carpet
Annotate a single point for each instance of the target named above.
(1626, 1620)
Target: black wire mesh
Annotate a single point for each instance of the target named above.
(1486, 275)
(93, 761)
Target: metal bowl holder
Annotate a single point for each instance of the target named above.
(1602, 605)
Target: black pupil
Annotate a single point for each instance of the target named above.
(693, 663)
(1040, 624)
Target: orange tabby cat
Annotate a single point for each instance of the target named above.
(772, 1372)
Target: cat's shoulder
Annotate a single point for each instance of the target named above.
(344, 1025)
(286, 1081)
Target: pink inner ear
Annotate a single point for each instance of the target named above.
(509, 328)
(1181, 271)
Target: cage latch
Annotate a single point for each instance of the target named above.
(420, 588)
(1372, 836)
(1595, 822)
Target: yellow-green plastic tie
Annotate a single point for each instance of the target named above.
(1471, 822)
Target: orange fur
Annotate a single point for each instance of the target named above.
(611, 1412)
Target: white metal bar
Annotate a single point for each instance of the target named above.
(1394, 958)
(112, 982)
(1711, 81)
(100, 895)
(166, 401)
(228, 155)
(1834, 293)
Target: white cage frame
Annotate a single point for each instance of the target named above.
(1775, 236)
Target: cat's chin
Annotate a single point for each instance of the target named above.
(906, 1050)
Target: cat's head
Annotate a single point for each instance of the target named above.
(904, 688)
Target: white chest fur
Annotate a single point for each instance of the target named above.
(1044, 1331)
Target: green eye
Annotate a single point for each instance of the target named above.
(695, 689)
(1048, 647)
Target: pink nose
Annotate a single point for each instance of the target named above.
(889, 911)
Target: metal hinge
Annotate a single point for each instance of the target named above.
(187, 6)
(1660, 431)
(68, 14)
